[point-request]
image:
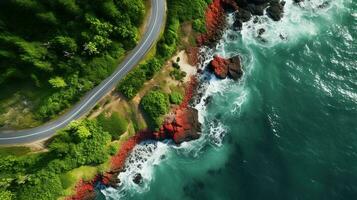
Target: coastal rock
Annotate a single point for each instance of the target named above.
(261, 31)
(186, 125)
(220, 67)
(275, 10)
(256, 9)
(298, 1)
(237, 25)
(235, 68)
(229, 5)
(183, 127)
(249, 8)
(226, 67)
(243, 15)
(216, 21)
(138, 179)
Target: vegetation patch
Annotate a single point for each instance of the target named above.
(176, 98)
(64, 46)
(178, 12)
(14, 151)
(114, 124)
(155, 104)
(42, 175)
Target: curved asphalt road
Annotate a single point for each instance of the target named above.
(156, 21)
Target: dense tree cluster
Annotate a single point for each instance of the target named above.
(67, 46)
(155, 104)
(38, 176)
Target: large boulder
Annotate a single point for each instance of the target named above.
(234, 68)
(181, 126)
(186, 124)
(256, 9)
(275, 10)
(138, 179)
(229, 5)
(219, 66)
(226, 67)
(249, 8)
(243, 15)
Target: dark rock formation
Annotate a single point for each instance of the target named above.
(243, 15)
(237, 25)
(138, 179)
(234, 68)
(249, 8)
(275, 10)
(226, 67)
(261, 31)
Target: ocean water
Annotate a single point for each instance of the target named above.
(286, 130)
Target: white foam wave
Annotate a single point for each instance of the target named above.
(295, 23)
(239, 101)
(143, 159)
(216, 133)
(214, 86)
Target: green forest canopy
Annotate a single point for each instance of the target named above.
(67, 46)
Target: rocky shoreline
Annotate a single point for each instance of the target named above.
(183, 125)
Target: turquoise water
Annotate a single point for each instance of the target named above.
(287, 130)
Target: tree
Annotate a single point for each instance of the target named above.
(64, 44)
(5, 195)
(155, 104)
(57, 82)
(43, 185)
(132, 83)
(176, 97)
(79, 130)
(151, 67)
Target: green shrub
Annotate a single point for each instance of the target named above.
(113, 149)
(176, 98)
(134, 81)
(5, 195)
(175, 65)
(199, 25)
(177, 74)
(155, 104)
(43, 185)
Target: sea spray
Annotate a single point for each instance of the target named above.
(300, 20)
(144, 157)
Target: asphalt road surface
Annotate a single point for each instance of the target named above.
(154, 25)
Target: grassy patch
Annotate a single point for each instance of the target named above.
(71, 178)
(14, 151)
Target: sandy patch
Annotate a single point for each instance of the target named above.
(185, 65)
